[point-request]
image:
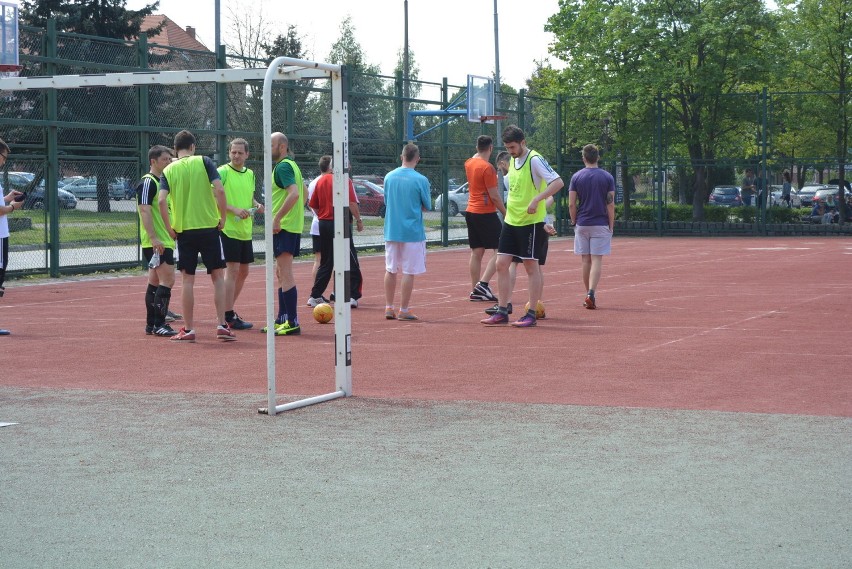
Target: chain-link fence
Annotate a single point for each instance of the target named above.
(79, 153)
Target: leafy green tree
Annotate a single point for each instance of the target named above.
(821, 42)
(368, 111)
(623, 52)
(103, 18)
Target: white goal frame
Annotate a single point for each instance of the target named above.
(282, 68)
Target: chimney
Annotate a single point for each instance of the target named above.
(190, 31)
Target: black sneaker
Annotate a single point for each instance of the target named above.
(494, 309)
(483, 290)
(166, 331)
(239, 324)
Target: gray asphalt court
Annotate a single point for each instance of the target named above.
(117, 479)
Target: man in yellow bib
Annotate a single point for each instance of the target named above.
(158, 247)
(288, 207)
(192, 185)
(531, 182)
(239, 184)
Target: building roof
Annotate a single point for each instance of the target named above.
(172, 34)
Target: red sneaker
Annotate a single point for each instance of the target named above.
(223, 332)
(589, 302)
(184, 335)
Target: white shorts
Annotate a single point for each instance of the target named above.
(410, 258)
(592, 240)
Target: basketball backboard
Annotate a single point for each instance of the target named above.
(8, 35)
(480, 98)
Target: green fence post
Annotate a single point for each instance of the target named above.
(142, 140)
(401, 116)
(52, 143)
(763, 153)
(658, 178)
(559, 212)
(445, 140)
(522, 96)
(221, 100)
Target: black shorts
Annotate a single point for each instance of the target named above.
(483, 230)
(542, 258)
(204, 242)
(167, 258)
(237, 250)
(286, 242)
(524, 241)
(315, 244)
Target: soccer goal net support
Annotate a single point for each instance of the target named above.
(281, 69)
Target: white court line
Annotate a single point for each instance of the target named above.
(705, 332)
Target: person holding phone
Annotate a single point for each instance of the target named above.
(11, 201)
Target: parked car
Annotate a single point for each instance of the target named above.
(371, 197)
(457, 200)
(727, 196)
(806, 194)
(775, 197)
(87, 189)
(35, 199)
(378, 180)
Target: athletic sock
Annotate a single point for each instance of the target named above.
(282, 308)
(162, 297)
(291, 299)
(149, 304)
(592, 292)
(229, 315)
(504, 310)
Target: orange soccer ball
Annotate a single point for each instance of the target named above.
(323, 313)
(539, 309)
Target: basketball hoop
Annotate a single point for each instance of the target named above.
(10, 70)
(490, 119)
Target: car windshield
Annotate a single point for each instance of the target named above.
(725, 191)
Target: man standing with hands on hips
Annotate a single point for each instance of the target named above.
(593, 219)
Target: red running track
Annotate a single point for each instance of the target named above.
(728, 324)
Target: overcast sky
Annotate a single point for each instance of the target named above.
(449, 38)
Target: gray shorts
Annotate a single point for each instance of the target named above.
(592, 240)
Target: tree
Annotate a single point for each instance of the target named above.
(704, 52)
(822, 48)
(696, 52)
(103, 18)
(367, 109)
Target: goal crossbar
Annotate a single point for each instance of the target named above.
(282, 68)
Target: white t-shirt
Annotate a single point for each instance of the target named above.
(541, 170)
(4, 221)
(315, 221)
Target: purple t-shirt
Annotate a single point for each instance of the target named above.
(592, 185)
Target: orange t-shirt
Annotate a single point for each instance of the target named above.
(481, 175)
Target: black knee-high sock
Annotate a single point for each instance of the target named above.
(161, 304)
(149, 304)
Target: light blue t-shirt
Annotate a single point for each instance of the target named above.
(406, 194)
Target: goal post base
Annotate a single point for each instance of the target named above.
(302, 403)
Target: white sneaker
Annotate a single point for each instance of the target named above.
(314, 302)
(353, 303)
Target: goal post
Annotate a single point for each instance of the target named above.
(282, 68)
(342, 309)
